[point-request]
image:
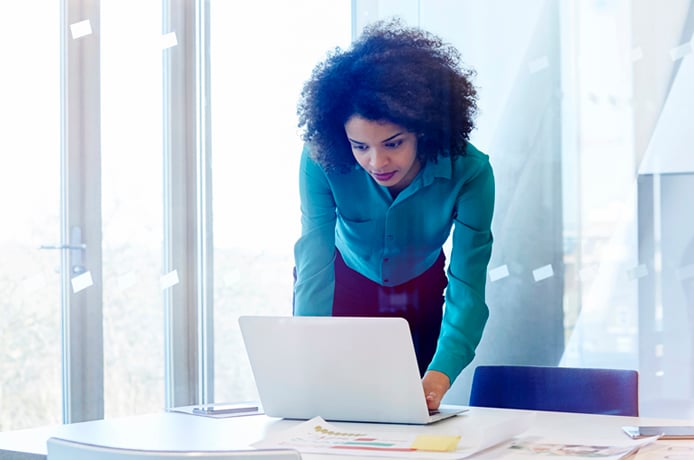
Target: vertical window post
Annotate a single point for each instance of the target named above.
(187, 215)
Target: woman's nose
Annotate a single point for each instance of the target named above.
(378, 159)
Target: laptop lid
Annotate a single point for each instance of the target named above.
(339, 368)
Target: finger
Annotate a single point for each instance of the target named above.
(433, 400)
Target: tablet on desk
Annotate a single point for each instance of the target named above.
(664, 432)
(222, 410)
(225, 409)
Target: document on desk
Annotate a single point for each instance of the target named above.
(318, 436)
(530, 448)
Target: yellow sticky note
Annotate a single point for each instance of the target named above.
(436, 443)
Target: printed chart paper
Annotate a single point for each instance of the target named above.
(318, 436)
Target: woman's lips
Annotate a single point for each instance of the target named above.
(383, 177)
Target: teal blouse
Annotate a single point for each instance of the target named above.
(391, 241)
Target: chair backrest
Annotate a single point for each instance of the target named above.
(64, 449)
(563, 389)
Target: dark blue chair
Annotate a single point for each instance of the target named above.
(559, 389)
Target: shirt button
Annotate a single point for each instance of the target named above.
(386, 281)
(385, 259)
(389, 237)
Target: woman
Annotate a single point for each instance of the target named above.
(386, 172)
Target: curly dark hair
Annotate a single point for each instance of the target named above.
(392, 73)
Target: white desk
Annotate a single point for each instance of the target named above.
(177, 431)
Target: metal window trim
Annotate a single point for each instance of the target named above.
(187, 242)
(80, 200)
(205, 248)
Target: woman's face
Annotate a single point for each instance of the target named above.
(388, 152)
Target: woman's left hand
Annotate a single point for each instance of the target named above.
(435, 384)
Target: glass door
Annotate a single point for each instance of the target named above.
(81, 283)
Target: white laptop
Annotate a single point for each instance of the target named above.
(339, 368)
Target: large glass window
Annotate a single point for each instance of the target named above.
(131, 159)
(30, 205)
(258, 64)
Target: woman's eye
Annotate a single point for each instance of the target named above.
(358, 147)
(394, 144)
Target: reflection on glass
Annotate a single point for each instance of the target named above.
(631, 242)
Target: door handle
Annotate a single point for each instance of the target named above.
(76, 248)
(63, 246)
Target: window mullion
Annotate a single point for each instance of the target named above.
(82, 311)
(188, 315)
